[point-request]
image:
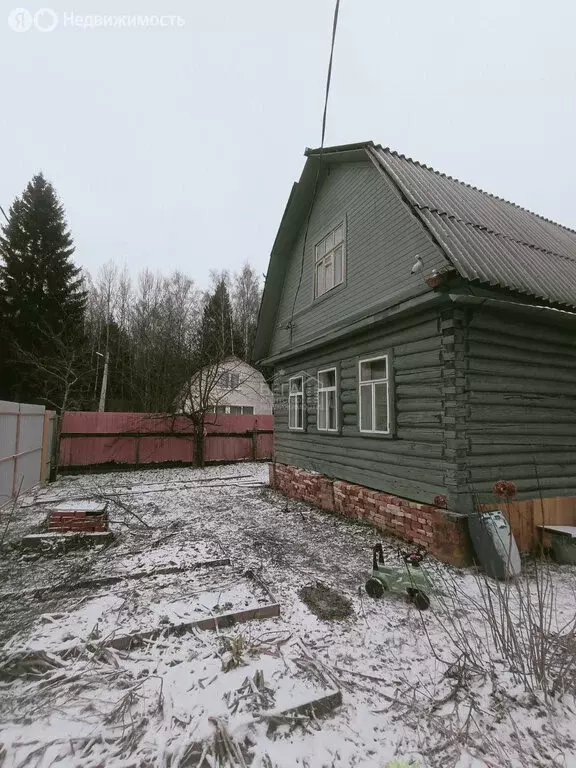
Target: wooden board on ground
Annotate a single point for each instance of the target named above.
(151, 606)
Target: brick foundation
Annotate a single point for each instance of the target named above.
(443, 533)
(77, 521)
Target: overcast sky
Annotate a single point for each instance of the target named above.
(175, 147)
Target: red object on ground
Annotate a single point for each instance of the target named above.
(77, 521)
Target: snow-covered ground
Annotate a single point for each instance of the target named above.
(429, 689)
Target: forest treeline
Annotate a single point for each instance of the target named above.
(60, 324)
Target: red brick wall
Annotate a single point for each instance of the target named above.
(443, 533)
(78, 522)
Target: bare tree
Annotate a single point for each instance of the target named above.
(246, 296)
(205, 393)
(61, 377)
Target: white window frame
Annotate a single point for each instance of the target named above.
(320, 389)
(294, 397)
(327, 259)
(372, 384)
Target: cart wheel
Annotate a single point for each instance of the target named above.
(420, 600)
(374, 588)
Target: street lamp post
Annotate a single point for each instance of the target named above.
(104, 386)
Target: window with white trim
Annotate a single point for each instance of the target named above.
(296, 403)
(327, 417)
(329, 261)
(374, 395)
(228, 380)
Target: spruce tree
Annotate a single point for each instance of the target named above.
(42, 300)
(217, 334)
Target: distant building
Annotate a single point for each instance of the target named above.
(233, 387)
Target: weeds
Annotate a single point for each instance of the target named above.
(515, 620)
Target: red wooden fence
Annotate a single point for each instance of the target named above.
(91, 438)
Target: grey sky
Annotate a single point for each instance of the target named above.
(175, 147)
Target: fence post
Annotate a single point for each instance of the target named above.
(254, 445)
(16, 452)
(45, 433)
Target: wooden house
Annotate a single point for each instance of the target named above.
(423, 339)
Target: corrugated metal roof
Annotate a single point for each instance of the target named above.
(487, 238)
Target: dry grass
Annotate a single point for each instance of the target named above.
(325, 602)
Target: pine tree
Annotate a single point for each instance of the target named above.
(42, 300)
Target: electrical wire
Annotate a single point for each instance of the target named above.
(320, 160)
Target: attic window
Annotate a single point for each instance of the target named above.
(329, 253)
(229, 380)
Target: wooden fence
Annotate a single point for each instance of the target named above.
(526, 517)
(26, 433)
(134, 439)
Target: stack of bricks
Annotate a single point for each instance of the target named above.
(442, 533)
(77, 521)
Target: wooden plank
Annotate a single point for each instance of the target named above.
(135, 639)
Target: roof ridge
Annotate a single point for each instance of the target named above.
(402, 156)
(495, 232)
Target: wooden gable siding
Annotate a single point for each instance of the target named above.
(520, 404)
(412, 463)
(382, 241)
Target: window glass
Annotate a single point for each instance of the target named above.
(322, 410)
(338, 265)
(296, 404)
(327, 379)
(366, 408)
(296, 385)
(373, 369)
(327, 414)
(381, 407)
(329, 254)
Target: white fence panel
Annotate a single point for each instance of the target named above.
(22, 448)
(29, 453)
(9, 417)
